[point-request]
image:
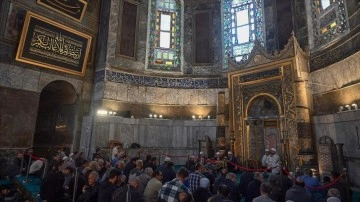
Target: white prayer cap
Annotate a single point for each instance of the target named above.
(217, 153)
(201, 153)
(333, 199)
(204, 182)
(36, 166)
(230, 152)
(167, 159)
(272, 149)
(266, 150)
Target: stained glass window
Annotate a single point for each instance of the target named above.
(243, 21)
(325, 4)
(165, 34)
(329, 21)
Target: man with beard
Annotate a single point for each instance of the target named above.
(108, 187)
(91, 190)
(51, 187)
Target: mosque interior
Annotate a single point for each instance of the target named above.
(178, 77)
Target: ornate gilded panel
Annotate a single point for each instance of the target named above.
(290, 132)
(260, 75)
(271, 87)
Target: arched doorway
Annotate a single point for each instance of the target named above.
(55, 121)
(262, 126)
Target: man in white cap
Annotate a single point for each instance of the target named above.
(166, 161)
(201, 158)
(232, 162)
(274, 161)
(265, 158)
(218, 156)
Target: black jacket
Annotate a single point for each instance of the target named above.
(51, 186)
(253, 190)
(90, 194)
(234, 193)
(245, 179)
(106, 190)
(201, 194)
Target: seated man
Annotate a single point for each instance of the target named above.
(170, 191)
(9, 195)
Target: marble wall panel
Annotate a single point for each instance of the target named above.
(161, 95)
(175, 97)
(98, 92)
(179, 138)
(102, 131)
(142, 93)
(113, 130)
(85, 131)
(177, 123)
(122, 92)
(31, 79)
(18, 112)
(18, 77)
(136, 132)
(157, 136)
(112, 33)
(117, 135)
(202, 100)
(336, 75)
(353, 167)
(150, 95)
(341, 128)
(194, 137)
(3, 73)
(194, 97)
(211, 95)
(127, 133)
(86, 91)
(133, 94)
(145, 137)
(166, 136)
(129, 121)
(185, 96)
(110, 91)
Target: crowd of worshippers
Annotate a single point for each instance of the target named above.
(131, 179)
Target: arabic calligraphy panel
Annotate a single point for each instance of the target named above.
(48, 44)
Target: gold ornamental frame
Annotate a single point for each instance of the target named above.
(62, 8)
(51, 45)
(242, 142)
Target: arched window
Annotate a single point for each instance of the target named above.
(243, 21)
(164, 36)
